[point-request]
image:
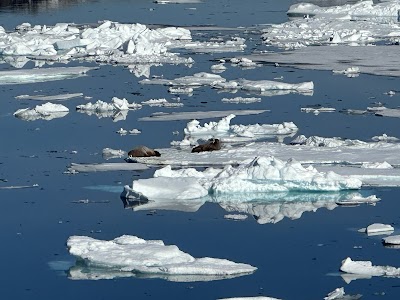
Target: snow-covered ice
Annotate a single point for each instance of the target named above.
(60, 97)
(241, 100)
(226, 132)
(133, 254)
(24, 76)
(115, 105)
(109, 153)
(235, 217)
(47, 111)
(103, 167)
(161, 116)
(367, 268)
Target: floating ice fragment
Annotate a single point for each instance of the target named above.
(179, 90)
(109, 153)
(50, 98)
(115, 105)
(198, 115)
(366, 268)
(162, 102)
(378, 228)
(317, 110)
(235, 217)
(250, 298)
(377, 165)
(358, 199)
(104, 167)
(47, 111)
(349, 72)
(197, 79)
(392, 240)
(241, 100)
(133, 254)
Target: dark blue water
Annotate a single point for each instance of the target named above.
(296, 259)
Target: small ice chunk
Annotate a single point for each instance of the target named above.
(385, 138)
(250, 298)
(111, 153)
(377, 165)
(378, 228)
(47, 111)
(366, 268)
(235, 217)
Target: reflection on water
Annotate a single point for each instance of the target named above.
(37, 6)
(264, 207)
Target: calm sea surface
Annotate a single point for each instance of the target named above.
(296, 259)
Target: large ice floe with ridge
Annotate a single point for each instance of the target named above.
(128, 256)
(259, 175)
(366, 268)
(47, 111)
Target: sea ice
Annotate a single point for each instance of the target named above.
(385, 138)
(133, 254)
(378, 228)
(47, 111)
(24, 76)
(161, 116)
(317, 110)
(235, 217)
(109, 153)
(104, 167)
(162, 102)
(226, 132)
(60, 97)
(392, 240)
(366, 268)
(241, 100)
(250, 298)
(195, 80)
(336, 294)
(115, 105)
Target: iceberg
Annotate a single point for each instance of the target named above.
(131, 254)
(115, 105)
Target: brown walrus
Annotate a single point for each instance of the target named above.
(211, 145)
(143, 151)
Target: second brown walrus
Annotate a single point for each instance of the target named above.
(211, 145)
(143, 151)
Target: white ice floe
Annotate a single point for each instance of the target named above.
(195, 80)
(161, 116)
(162, 102)
(115, 105)
(378, 228)
(106, 42)
(47, 111)
(232, 133)
(261, 175)
(336, 294)
(123, 131)
(218, 68)
(241, 100)
(177, 1)
(116, 115)
(377, 165)
(366, 268)
(265, 86)
(235, 217)
(109, 153)
(243, 62)
(349, 72)
(180, 90)
(104, 167)
(376, 60)
(60, 97)
(317, 110)
(235, 44)
(317, 141)
(250, 298)
(357, 199)
(392, 240)
(24, 76)
(361, 9)
(385, 138)
(385, 112)
(133, 254)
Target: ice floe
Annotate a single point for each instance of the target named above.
(385, 138)
(235, 217)
(195, 80)
(115, 105)
(60, 97)
(260, 175)
(366, 268)
(336, 294)
(317, 110)
(162, 116)
(162, 102)
(379, 228)
(226, 132)
(349, 72)
(24, 76)
(265, 87)
(130, 254)
(250, 298)
(103, 167)
(393, 240)
(109, 153)
(241, 100)
(47, 111)
(109, 42)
